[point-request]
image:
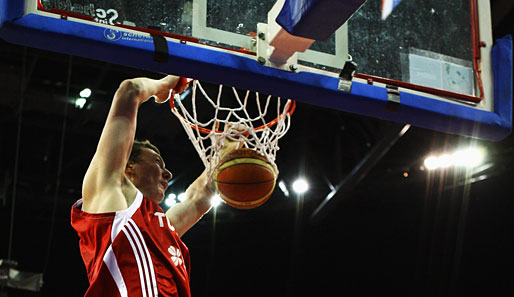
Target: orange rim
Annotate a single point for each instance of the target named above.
(184, 81)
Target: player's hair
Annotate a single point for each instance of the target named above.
(138, 146)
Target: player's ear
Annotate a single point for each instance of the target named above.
(129, 169)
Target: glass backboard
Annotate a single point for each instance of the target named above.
(432, 61)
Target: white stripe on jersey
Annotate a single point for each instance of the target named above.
(138, 261)
(118, 224)
(123, 222)
(122, 216)
(142, 255)
(112, 265)
(150, 262)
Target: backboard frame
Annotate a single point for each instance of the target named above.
(22, 23)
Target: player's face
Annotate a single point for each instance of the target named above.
(149, 175)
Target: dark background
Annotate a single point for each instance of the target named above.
(444, 233)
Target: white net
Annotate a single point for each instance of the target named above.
(248, 121)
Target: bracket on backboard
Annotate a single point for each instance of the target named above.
(275, 46)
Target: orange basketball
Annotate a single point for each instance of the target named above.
(245, 179)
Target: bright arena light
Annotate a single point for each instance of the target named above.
(431, 162)
(215, 200)
(181, 197)
(80, 102)
(170, 200)
(469, 157)
(283, 188)
(445, 160)
(300, 186)
(85, 93)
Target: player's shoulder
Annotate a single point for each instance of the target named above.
(110, 199)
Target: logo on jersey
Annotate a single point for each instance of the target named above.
(163, 217)
(176, 255)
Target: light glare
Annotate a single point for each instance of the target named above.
(181, 197)
(300, 186)
(215, 200)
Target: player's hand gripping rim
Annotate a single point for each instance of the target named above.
(181, 85)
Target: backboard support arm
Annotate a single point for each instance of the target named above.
(359, 172)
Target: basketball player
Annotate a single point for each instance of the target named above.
(129, 245)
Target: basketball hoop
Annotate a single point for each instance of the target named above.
(252, 123)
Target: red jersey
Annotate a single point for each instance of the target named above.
(133, 252)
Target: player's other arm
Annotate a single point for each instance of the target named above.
(105, 187)
(197, 202)
(198, 197)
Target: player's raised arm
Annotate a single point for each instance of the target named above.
(185, 214)
(198, 196)
(105, 187)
